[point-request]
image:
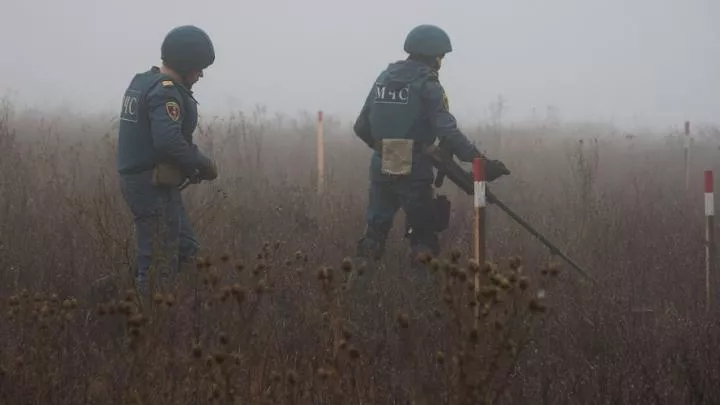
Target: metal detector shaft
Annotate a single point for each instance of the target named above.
(553, 249)
(194, 179)
(447, 167)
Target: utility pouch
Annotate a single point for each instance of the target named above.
(397, 156)
(442, 212)
(167, 175)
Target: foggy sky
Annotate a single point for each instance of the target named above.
(632, 62)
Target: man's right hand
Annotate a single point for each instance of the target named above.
(495, 169)
(209, 172)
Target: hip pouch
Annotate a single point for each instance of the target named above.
(167, 175)
(397, 156)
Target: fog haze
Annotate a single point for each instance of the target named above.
(632, 62)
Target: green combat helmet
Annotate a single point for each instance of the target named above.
(187, 48)
(428, 40)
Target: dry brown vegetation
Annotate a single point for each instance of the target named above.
(268, 318)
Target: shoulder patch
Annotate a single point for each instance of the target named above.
(168, 83)
(130, 105)
(173, 110)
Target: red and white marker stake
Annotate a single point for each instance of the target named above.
(687, 154)
(320, 153)
(480, 201)
(709, 233)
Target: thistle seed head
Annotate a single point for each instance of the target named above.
(136, 320)
(219, 357)
(473, 266)
(434, 265)
(225, 292)
(425, 258)
(489, 268)
(214, 277)
(403, 320)
(158, 298)
(474, 336)
(536, 306)
(455, 255)
(445, 267)
(130, 295)
(292, 377)
(239, 292)
(197, 351)
(488, 291)
(347, 265)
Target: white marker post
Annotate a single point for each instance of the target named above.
(709, 233)
(480, 202)
(320, 153)
(687, 155)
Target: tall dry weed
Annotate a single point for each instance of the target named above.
(267, 315)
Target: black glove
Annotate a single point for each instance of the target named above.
(495, 169)
(209, 172)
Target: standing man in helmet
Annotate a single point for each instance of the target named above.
(156, 153)
(405, 112)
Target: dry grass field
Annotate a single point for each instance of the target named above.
(267, 316)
